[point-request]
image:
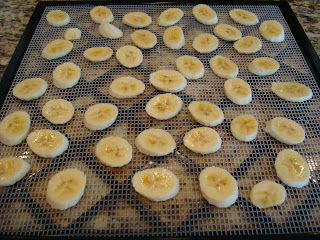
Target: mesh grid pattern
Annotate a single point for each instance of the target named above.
(110, 206)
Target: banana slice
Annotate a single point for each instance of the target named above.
(126, 87)
(173, 37)
(101, 14)
(285, 130)
(292, 169)
(168, 81)
(291, 91)
(12, 170)
(109, 31)
(267, 194)
(66, 75)
(14, 128)
(156, 184)
(155, 142)
(170, 17)
(247, 45)
(272, 31)
(224, 67)
(137, 19)
(58, 111)
(66, 188)
(30, 89)
(129, 56)
(57, 49)
(190, 67)
(243, 17)
(144, 39)
(227, 32)
(113, 151)
(205, 14)
(72, 34)
(244, 128)
(58, 18)
(218, 186)
(47, 143)
(202, 140)
(164, 106)
(98, 54)
(238, 91)
(263, 66)
(206, 113)
(205, 43)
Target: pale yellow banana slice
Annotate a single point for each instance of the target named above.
(30, 89)
(126, 87)
(263, 66)
(243, 17)
(291, 91)
(218, 186)
(272, 31)
(206, 113)
(58, 111)
(205, 43)
(72, 34)
(66, 188)
(244, 127)
(170, 17)
(190, 67)
(12, 170)
(224, 67)
(98, 54)
(227, 32)
(47, 143)
(238, 91)
(66, 75)
(129, 56)
(247, 45)
(58, 18)
(113, 151)
(285, 130)
(205, 14)
(267, 194)
(168, 81)
(156, 184)
(57, 49)
(144, 39)
(173, 37)
(109, 31)
(100, 116)
(101, 14)
(164, 106)
(137, 19)
(202, 140)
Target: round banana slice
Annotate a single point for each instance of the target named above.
(170, 17)
(137, 19)
(98, 54)
(156, 184)
(58, 111)
(247, 45)
(291, 91)
(243, 17)
(173, 37)
(144, 39)
(126, 87)
(238, 91)
(285, 130)
(263, 66)
(57, 49)
(113, 151)
(164, 106)
(101, 14)
(218, 186)
(227, 32)
(47, 143)
(66, 75)
(202, 140)
(109, 31)
(272, 31)
(206, 113)
(129, 56)
(58, 18)
(72, 34)
(267, 194)
(30, 89)
(205, 14)
(12, 170)
(100, 116)
(224, 67)
(168, 81)
(205, 43)
(190, 67)
(244, 127)
(66, 188)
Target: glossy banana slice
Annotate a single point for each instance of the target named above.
(66, 75)
(109, 31)
(244, 128)
(243, 17)
(101, 14)
(190, 67)
(227, 32)
(238, 91)
(126, 87)
(272, 31)
(248, 45)
(129, 56)
(57, 49)
(291, 91)
(58, 18)
(137, 19)
(170, 17)
(30, 89)
(173, 37)
(98, 54)
(205, 43)
(205, 14)
(144, 39)
(206, 113)
(263, 66)
(12, 170)
(168, 81)
(224, 67)
(72, 34)
(58, 111)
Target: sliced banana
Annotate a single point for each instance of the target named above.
(30, 89)
(285, 130)
(205, 43)
(66, 75)
(137, 19)
(272, 31)
(168, 81)
(144, 39)
(227, 32)
(202, 140)
(244, 127)
(109, 31)
(263, 66)
(113, 151)
(224, 67)
(101, 14)
(57, 49)
(238, 91)
(66, 188)
(12, 170)
(218, 186)
(58, 18)
(156, 184)
(247, 45)
(173, 37)
(243, 17)
(190, 67)
(58, 111)
(155, 142)
(170, 16)
(72, 34)
(291, 91)
(47, 143)
(205, 14)
(206, 113)
(100, 116)
(129, 56)
(126, 87)
(267, 194)
(98, 54)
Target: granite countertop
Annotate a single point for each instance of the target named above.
(15, 14)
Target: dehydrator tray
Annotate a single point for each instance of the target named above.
(110, 207)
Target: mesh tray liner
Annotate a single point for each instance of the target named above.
(110, 206)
